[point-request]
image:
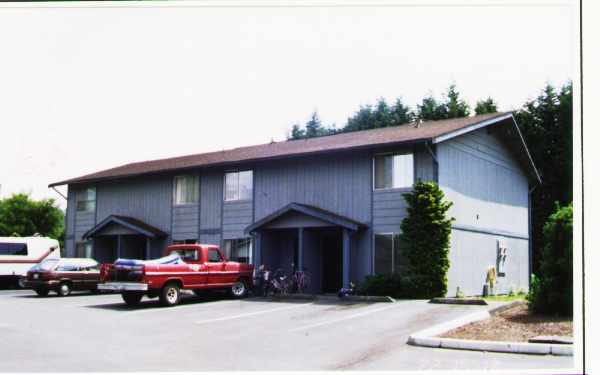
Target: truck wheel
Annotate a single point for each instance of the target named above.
(132, 298)
(42, 292)
(64, 289)
(170, 295)
(239, 289)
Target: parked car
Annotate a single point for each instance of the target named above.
(63, 276)
(194, 267)
(19, 254)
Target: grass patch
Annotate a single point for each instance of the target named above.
(506, 298)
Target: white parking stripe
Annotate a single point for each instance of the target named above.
(224, 318)
(157, 308)
(353, 316)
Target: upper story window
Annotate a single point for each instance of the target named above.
(238, 185)
(186, 190)
(86, 199)
(394, 171)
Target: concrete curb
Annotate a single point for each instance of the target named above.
(459, 301)
(427, 338)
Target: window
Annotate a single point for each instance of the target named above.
(187, 255)
(67, 267)
(186, 190)
(239, 250)
(388, 254)
(238, 185)
(10, 248)
(393, 171)
(214, 256)
(86, 199)
(83, 249)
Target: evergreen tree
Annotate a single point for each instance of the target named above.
(363, 119)
(486, 106)
(297, 132)
(547, 127)
(455, 106)
(401, 114)
(430, 109)
(313, 127)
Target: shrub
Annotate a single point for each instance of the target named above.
(551, 292)
(396, 286)
(426, 239)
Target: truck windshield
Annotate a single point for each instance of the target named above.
(46, 265)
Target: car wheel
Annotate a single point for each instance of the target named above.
(20, 284)
(42, 292)
(170, 295)
(239, 289)
(132, 298)
(64, 289)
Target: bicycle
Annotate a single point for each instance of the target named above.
(300, 281)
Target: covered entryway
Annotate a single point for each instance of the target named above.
(123, 237)
(303, 237)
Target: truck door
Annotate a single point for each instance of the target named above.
(216, 267)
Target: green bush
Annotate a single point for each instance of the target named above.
(396, 286)
(551, 292)
(426, 239)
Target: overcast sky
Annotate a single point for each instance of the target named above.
(88, 88)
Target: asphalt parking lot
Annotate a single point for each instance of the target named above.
(85, 332)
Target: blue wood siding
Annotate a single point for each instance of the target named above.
(211, 201)
(490, 194)
(83, 221)
(389, 208)
(487, 186)
(69, 250)
(237, 215)
(185, 222)
(340, 184)
(147, 199)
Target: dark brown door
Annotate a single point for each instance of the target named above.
(332, 261)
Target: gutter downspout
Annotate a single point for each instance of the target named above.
(435, 160)
(530, 232)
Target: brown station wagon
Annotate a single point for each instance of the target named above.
(64, 275)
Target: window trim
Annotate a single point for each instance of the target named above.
(78, 194)
(393, 153)
(238, 171)
(197, 202)
(394, 235)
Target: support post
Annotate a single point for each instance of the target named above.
(118, 246)
(346, 259)
(148, 255)
(257, 250)
(300, 265)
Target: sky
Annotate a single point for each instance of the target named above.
(85, 88)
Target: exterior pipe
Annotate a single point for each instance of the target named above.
(530, 232)
(59, 193)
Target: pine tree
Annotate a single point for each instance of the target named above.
(486, 106)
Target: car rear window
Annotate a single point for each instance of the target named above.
(46, 265)
(66, 266)
(9, 248)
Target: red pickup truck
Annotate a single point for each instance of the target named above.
(193, 267)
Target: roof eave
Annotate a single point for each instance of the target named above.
(76, 181)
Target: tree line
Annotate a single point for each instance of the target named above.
(384, 115)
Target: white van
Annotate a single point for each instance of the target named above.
(19, 254)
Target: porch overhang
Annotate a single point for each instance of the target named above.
(131, 224)
(308, 211)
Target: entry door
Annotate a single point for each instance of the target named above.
(332, 261)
